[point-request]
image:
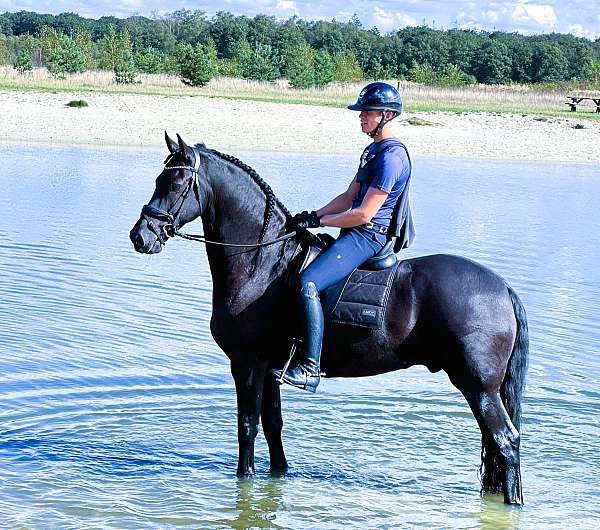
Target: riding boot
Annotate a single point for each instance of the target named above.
(307, 375)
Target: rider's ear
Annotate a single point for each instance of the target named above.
(171, 145)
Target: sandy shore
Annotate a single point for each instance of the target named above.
(139, 120)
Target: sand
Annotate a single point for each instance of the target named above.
(139, 120)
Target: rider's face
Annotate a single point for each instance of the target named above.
(369, 120)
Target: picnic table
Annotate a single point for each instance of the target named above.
(576, 100)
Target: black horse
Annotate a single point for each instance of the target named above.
(445, 312)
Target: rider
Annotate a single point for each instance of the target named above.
(363, 212)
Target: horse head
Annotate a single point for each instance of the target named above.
(176, 200)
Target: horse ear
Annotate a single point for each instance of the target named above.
(182, 145)
(172, 146)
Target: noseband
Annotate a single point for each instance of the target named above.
(150, 212)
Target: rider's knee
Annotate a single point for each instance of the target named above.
(309, 288)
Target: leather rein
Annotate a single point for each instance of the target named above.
(168, 230)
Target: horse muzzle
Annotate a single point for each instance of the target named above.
(147, 238)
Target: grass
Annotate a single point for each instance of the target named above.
(519, 99)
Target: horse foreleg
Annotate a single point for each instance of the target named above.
(272, 424)
(500, 440)
(249, 379)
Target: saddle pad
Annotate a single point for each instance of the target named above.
(363, 298)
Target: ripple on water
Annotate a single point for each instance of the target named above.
(118, 410)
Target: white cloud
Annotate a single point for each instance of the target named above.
(580, 31)
(536, 14)
(286, 5)
(389, 20)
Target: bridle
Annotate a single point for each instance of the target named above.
(169, 229)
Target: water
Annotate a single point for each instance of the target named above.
(117, 410)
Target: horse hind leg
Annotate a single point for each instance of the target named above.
(272, 424)
(500, 457)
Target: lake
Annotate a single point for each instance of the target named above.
(117, 410)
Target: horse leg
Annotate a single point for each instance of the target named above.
(249, 379)
(272, 424)
(500, 446)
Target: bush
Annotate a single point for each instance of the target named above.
(423, 73)
(346, 68)
(323, 68)
(149, 61)
(77, 103)
(125, 70)
(301, 66)
(450, 75)
(23, 62)
(197, 64)
(262, 63)
(67, 58)
(229, 68)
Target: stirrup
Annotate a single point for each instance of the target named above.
(295, 343)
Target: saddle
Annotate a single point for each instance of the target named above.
(359, 299)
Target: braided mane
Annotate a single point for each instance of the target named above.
(272, 200)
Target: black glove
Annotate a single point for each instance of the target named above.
(304, 220)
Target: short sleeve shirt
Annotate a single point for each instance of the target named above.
(384, 165)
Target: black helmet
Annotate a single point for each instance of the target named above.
(378, 96)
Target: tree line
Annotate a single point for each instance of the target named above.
(307, 53)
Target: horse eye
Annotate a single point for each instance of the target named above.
(175, 186)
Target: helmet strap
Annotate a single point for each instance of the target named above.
(377, 130)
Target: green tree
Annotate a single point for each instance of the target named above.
(197, 64)
(492, 63)
(50, 41)
(301, 67)
(149, 61)
(111, 48)
(125, 70)
(324, 68)
(189, 26)
(592, 72)
(23, 62)
(424, 74)
(289, 38)
(346, 68)
(226, 31)
(261, 63)
(83, 39)
(548, 63)
(229, 68)
(262, 29)
(67, 58)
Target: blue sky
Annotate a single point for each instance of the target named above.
(580, 17)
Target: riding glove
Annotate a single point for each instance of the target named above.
(305, 219)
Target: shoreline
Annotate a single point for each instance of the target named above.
(134, 120)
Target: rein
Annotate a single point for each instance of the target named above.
(168, 230)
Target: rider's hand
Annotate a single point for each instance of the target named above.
(304, 220)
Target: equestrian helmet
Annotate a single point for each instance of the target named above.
(378, 96)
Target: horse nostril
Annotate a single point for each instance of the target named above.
(139, 242)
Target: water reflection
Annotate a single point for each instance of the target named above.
(256, 504)
(495, 515)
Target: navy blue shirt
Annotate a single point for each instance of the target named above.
(383, 165)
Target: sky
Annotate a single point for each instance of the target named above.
(579, 17)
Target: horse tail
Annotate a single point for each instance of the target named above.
(513, 386)
(511, 393)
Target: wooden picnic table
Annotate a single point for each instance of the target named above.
(576, 100)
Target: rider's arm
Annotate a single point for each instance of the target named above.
(342, 202)
(362, 214)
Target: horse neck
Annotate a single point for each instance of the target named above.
(236, 214)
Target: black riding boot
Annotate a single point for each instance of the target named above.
(308, 374)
